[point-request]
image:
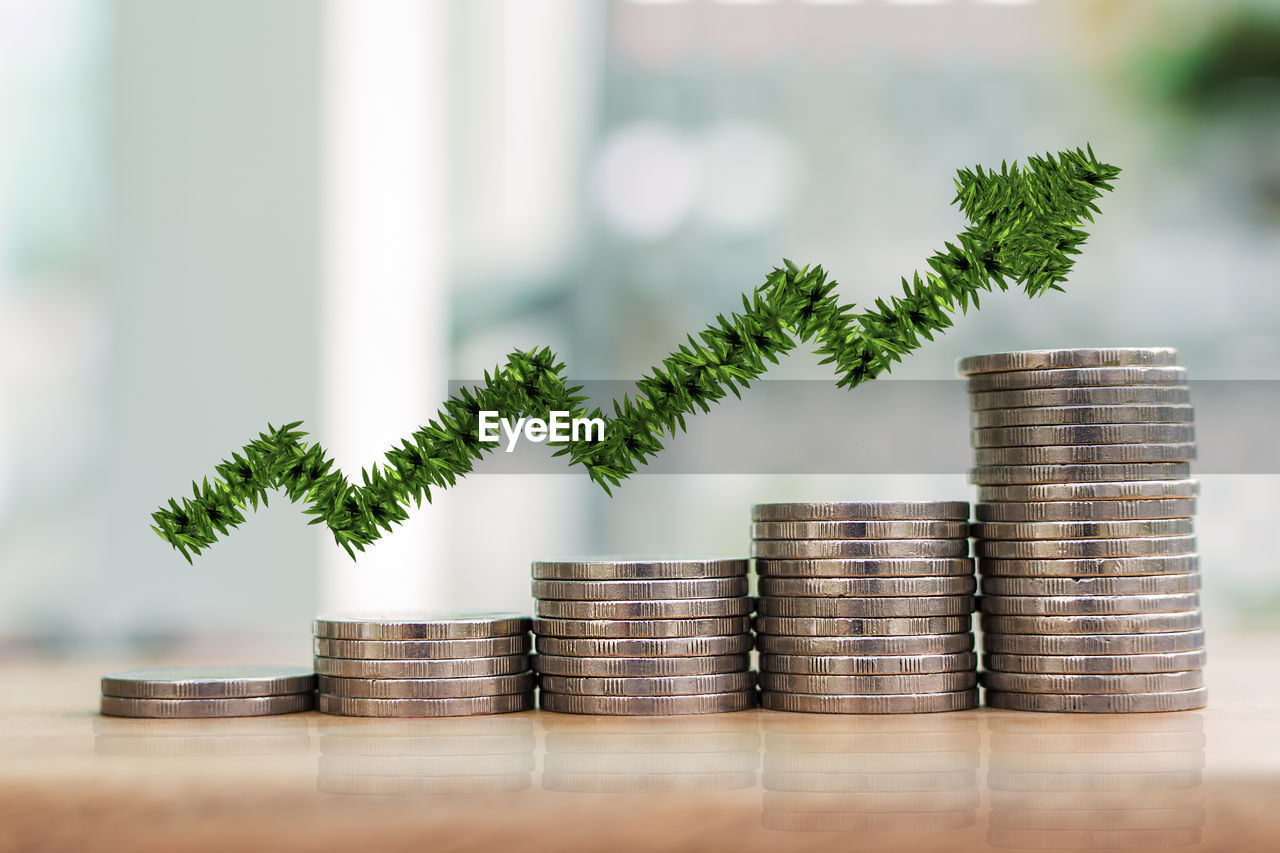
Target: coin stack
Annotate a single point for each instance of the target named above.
(643, 637)
(1085, 530)
(423, 665)
(208, 691)
(865, 607)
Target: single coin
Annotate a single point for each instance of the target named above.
(677, 608)
(1052, 548)
(638, 569)
(444, 668)
(642, 628)
(1143, 623)
(348, 706)
(1132, 490)
(640, 590)
(915, 605)
(1083, 434)
(1144, 682)
(920, 703)
(1113, 703)
(1013, 475)
(1138, 585)
(914, 644)
(1084, 605)
(1170, 642)
(1085, 454)
(870, 685)
(862, 511)
(1111, 395)
(1106, 510)
(867, 587)
(244, 706)
(1051, 359)
(663, 647)
(1075, 377)
(1092, 567)
(1069, 415)
(859, 529)
(1108, 528)
(841, 548)
(803, 626)
(1094, 664)
(421, 649)
(635, 667)
(704, 703)
(868, 664)
(653, 685)
(427, 688)
(208, 682)
(425, 625)
(863, 568)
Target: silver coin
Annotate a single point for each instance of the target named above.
(1075, 377)
(862, 511)
(653, 685)
(1077, 492)
(1095, 664)
(1083, 434)
(676, 608)
(444, 668)
(348, 706)
(1113, 395)
(672, 647)
(208, 682)
(842, 548)
(1114, 703)
(867, 587)
(640, 590)
(869, 567)
(635, 667)
(1053, 548)
(1014, 475)
(1084, 529)
(704, 703)
(859, 529)
(920, 703)
(803, 626)
(638, 569)
(1169, 642)
(1105, 510)
(1068, 415)
(869, 685)
(427, 688)
(244, 706)
(868, 664)
(423, 625)
(1142, 623)
(1144, 682)
(1137, 585)
(1092, 567)
(1084, 454)
(915, 605)
(1050, 359)
(642, 628)
(911, 644)
(421, 649)
(1084, 605)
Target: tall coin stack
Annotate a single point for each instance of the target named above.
(643, 637)
(1085, 530)
(423, 665)
(865, 608)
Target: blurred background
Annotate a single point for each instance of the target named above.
(216, 214)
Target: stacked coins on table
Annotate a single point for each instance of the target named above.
(865, 608)
(1085, 530)
(643, 637)
(423, 665)
(208, 691)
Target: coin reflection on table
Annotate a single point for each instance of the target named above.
(870, 774)
(1120, 782)
(464, 755)
(241, 736)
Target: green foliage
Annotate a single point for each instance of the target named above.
(1026, 228)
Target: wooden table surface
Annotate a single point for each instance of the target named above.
(754, 781)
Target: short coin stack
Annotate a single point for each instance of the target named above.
(643, 637)
(865, 607)
(423, 665)
(1085, 530)
(208, 691)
